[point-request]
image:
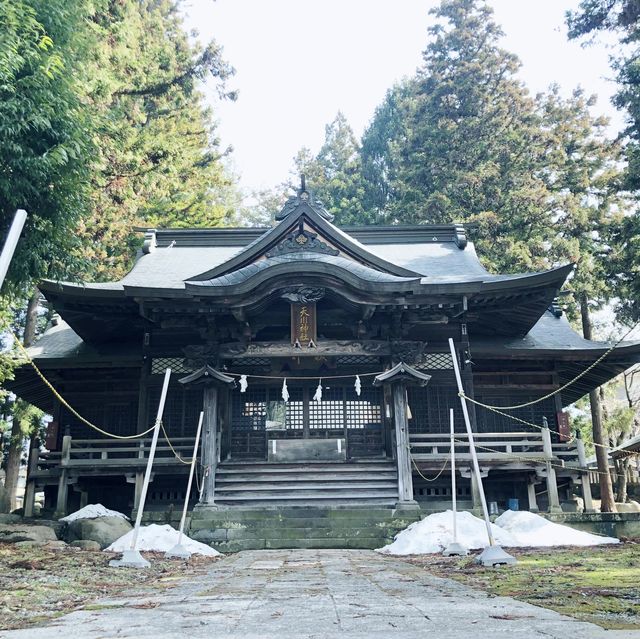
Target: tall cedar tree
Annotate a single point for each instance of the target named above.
(159, 162)
(335, 174)
(621, 17)
(464, 141)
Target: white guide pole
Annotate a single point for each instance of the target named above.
(132, 558)
(453, 480)
(499, 557)
(178, 550)
(11, 242)
(472, 446)
(454, 548)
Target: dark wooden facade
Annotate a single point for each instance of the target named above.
(311, 303)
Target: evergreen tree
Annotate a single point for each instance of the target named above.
(160, 162)
(335, 174)
(46, 131)
(621, 17)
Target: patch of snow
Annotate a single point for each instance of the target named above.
(533, 530)
(513, 528)
(92, 511)
(160, 538)
(434, 533)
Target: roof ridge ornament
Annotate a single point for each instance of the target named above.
(303, 196)
(150, 243)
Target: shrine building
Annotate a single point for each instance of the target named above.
(321, 359)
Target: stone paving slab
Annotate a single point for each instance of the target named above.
(316, 594)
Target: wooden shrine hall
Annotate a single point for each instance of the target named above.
(320, 357)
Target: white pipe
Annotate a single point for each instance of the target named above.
(453, 481)
(191, 471)
(152, 453)
(11, 242)
(472, 446)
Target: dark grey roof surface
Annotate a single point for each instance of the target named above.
(296, 261)
(550, 333)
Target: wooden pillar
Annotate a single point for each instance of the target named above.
(405, 480)
(552, 482)
(63, 482)
(585, 479)
(210, 443)
(531, 494)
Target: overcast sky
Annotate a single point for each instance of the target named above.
(300, 61)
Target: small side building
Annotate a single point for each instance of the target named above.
(322, 307)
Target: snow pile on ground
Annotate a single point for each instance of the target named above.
(513, 528)
(93, 511)
(530, 529)
(434, 533)
(160, 538)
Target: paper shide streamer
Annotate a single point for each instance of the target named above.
(317, 397)
(243, 383)
(285, 390)
(358, 386)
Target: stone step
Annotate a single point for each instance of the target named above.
(337, 492)
(297, 524)
(226, 488)
(281, 544)
(295, 512)
(221, 478)
(310, 467)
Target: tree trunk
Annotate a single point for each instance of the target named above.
(12, 468)
(607, 502)
(31, 319)
(622, 468)
(14, 456)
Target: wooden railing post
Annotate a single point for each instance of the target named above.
(585, 478)
(552, 482)
(63, 488)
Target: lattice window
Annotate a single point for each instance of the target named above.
(249, 409)
(295, 409)
(329, 413)
(176, 364)
(365, 411)
(356, 360)
(430, 409)
(181, 410)
(491, 422)
(242, 365)
(436, 361)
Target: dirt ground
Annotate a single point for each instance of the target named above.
(38, 584)
(598, 584)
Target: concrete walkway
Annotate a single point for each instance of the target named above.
(316, 594)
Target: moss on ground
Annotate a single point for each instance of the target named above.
(598, 584)
(39, 584)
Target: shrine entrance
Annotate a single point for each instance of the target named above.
(261, 421)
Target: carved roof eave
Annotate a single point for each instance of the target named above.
(305, 212)
(208, 375)
(402, 373)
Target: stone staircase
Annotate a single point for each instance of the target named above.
(303, 505)
(277, 527)
(372, 482)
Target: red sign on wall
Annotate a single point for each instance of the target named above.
(564, 428)
(51, 439)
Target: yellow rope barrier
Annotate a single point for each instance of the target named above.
(558, 390)
(173, 450)
(446, 461)
(65, 403)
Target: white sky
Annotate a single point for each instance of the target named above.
(300, 61)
